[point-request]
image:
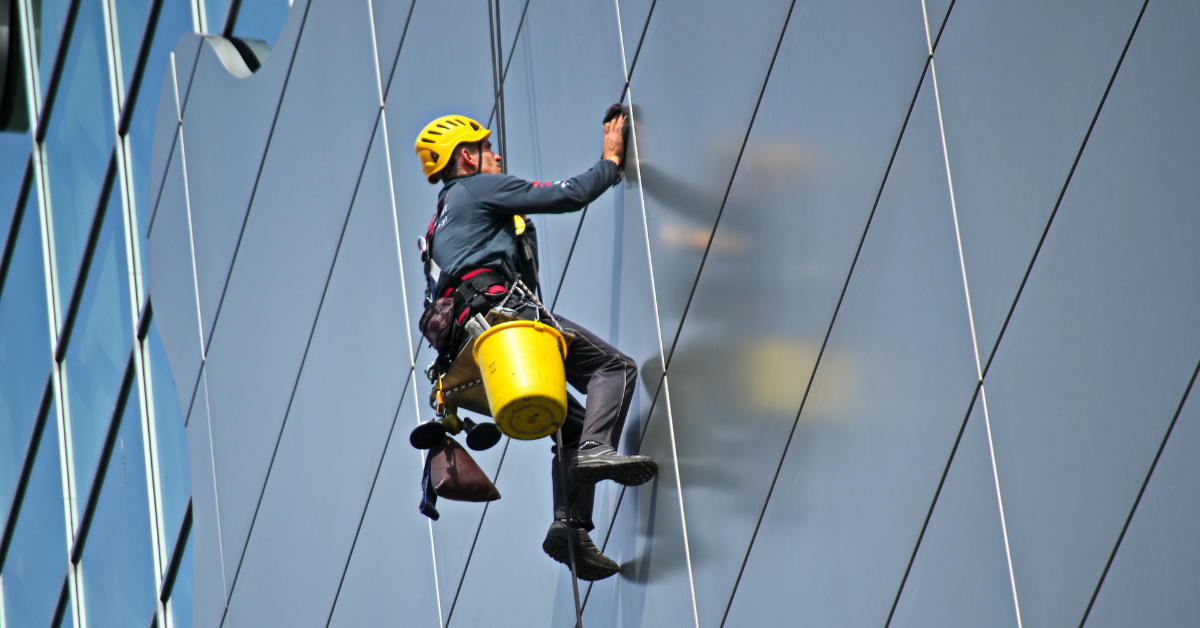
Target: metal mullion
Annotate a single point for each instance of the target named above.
(116, 76)
(33, 83)
(18, 498)
(14, 227)
(139, 69)
(167, 587)
(199, 16)
(64, 44)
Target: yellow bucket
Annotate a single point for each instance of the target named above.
(522, 367)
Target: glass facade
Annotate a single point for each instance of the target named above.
(95, 486)
(911, 287)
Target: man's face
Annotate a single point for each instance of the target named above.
(490, 160)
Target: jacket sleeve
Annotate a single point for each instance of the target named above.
(512, 195)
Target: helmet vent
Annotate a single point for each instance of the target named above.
(428, 141)
(432, 132)
(474, 126)
(433, 155)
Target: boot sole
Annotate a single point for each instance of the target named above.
(630, 473)
(585, 569)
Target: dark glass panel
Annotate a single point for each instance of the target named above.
(1104, 340)
(286, 249)
(78, 144)
(960, 575)
(24, 350)
(98, 348)
(391, 574)
(808, 179)
(37, 554)
(1019, 83)
(886, 404)
(118, 560)
(322, 471)
(1156, 569)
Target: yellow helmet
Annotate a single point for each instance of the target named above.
(437, 140)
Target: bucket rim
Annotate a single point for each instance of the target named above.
(536, 325)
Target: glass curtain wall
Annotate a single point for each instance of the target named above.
(95, 510)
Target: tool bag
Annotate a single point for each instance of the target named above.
(450, 472)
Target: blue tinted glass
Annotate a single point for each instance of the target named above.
(24, 350)
(48, 19)
(215, 14)
(174, 19)
(117, 564)
(261, 19)
(98, 348)
(14, 154)
(131, 22)
(68, 617)
(78, 143)
(180, 604)
(173, 474)
(37, 557)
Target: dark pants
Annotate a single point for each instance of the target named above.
(609, 379)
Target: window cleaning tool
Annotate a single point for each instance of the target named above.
(523, 375)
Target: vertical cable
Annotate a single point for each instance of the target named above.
(971, 319)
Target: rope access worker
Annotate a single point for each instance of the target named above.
(480, 255)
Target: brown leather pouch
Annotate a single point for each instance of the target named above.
(455, 475)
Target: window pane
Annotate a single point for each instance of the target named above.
(117, 564)
(180, 604)
(173, 473)
(261, 19)
(14, 154)
(131, 22)
(174, 19)
(78, 143)
(24, 350)
(98, 348)
(48, 19)
(37, 558)
(215, 14)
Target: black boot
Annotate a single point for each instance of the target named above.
(601, 462)
(590, 564)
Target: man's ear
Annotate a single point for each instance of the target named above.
(466, 158)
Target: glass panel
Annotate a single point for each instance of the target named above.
(375, 592)
(174, 475)
(1154, 574)
(960, 576)
(322, 472)
(261, 19)
(130, 24)
(888, 399)
(179, 606)
(1014, 125)
(685, 172)
(271, 302)
(24, 350)
(14, 154)
(117, 562)
(390, 18)
(215, 11)
(49, 16)
(68, 617)
(1104, 340)
(78, 144)
(98, 348)
(836, 102)
(37, 555)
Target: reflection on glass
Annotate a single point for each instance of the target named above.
(215, 15)
(131, 21)
(117, 564)
(37, 557)
(14, 154)
(173, 473)
(174, 19)
(24, 350)
(78, 142)
(48, 19)
(180, 604)
(98, 349)
(261, 19)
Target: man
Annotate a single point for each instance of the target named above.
(476, 252)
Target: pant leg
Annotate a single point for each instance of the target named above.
(571, 500)
(609, 379)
